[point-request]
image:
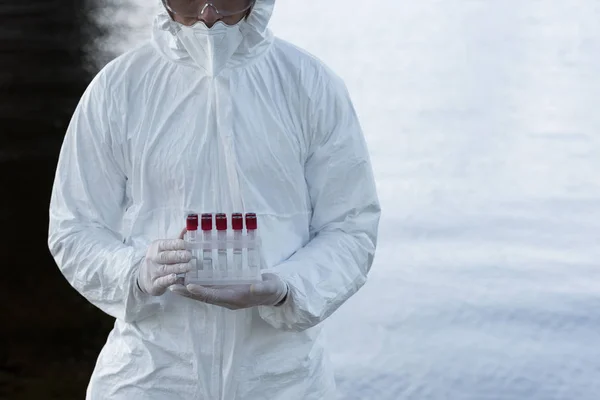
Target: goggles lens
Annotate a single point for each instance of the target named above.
(193, 8)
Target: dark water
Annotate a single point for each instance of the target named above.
(50, 335)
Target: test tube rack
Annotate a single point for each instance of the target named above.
(224, 256)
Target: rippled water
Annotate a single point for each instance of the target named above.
(481, 119)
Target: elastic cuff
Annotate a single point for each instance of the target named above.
(285, 296)
(137, 283)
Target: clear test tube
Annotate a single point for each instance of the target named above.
(191, 225)
(237, 224)
(251, 226)
(206, 224)
(221, 222)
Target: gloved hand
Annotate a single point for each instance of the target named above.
(271, 291)
(164, 260)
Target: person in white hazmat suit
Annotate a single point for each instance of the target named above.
(214, 114)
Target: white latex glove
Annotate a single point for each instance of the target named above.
(164, 260)
(271, 291)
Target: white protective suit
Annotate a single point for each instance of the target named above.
(152, 139)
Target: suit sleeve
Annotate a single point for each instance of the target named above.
(335, 263)
(86, 208)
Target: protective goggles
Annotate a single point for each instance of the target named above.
(195, 8)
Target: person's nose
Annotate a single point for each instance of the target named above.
(209, 15)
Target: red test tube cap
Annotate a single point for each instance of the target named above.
(251, 221)
(191, 222)
(237, 221)
(221, 220)
(206, 222)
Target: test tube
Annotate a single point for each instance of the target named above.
(206, 225)
(191, 225)
(221, 222)
(251, 226)
(237, 224)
